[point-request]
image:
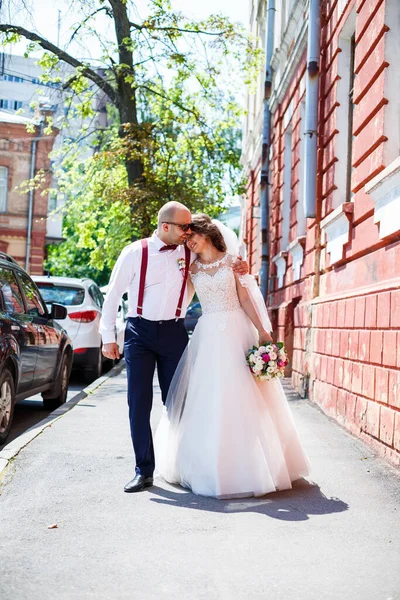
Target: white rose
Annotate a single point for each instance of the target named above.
(271, 363)
(273, 356)
(270, 369)
(251, 358)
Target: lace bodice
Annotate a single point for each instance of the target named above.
(215, 286)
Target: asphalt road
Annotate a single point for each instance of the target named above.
(333, 537)
(29, 412)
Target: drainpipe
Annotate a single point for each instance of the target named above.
(30, 198)
(311, 110)
(266, 136)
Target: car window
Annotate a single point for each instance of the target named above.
(62, 294)
(33, 299)
(96, 295)
(10, 292)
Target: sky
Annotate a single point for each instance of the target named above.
(45, 15)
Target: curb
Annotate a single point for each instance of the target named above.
(14, 447)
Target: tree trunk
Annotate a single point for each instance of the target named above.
(127, 102)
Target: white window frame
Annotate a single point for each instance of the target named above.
(342, 148)
(287, 186)
(301, 213)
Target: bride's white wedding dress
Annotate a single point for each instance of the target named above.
(223, 433)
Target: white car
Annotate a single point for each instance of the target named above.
(83, 301)
(120, 323)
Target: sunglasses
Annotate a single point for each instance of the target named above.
(183, 226)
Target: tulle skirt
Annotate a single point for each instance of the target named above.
(222, 432)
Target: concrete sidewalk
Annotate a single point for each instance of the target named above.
(336, 537)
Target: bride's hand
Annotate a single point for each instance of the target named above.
(264, 337)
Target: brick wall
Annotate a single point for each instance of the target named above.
(340, 318)
(15, 154)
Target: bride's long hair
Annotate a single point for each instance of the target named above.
(203, 225)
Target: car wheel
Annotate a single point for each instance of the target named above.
(94, 372)
(110, 363)
(7, 402)
(62, 387)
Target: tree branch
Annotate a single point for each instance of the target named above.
(151, 28)
(65, 57)
(103, 8)
(178, 104)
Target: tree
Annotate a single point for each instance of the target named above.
(178, 122)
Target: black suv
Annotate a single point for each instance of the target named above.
(35, 352)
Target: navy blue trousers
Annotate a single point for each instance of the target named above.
(147, 344)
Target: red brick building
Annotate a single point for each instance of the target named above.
(334, 286)
(15, 164)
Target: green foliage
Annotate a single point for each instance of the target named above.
(173, 84)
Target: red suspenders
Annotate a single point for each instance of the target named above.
(185, 276)
(142, 281)
(143, 270)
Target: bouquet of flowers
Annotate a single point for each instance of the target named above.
(268, 361)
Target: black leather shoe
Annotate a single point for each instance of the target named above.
(138, 483)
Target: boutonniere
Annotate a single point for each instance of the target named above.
(182, 265)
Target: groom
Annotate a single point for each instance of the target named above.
(154, 272)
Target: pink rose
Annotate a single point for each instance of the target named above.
(281, 363)
(266, 358)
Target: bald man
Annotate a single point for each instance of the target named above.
(154, 273)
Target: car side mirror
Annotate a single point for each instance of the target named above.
(58, 311)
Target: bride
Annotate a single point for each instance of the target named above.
(223, 433)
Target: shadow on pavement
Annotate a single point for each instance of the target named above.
(297, 504)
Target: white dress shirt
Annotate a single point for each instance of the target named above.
(163, 285)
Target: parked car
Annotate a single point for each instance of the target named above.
(35, 351)
(120, 323)
(83, 301)
(193, 314)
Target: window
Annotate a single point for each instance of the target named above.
(10, 104)
(33, 299)
(3, 188)
(96, 295)
(52, 201)
(287, 187)
(11, 294)
(300, 213)
(351, 116)
(344, 113)
(13, 78)
(62, 294)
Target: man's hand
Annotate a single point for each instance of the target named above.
(240, 266)
(111, 350)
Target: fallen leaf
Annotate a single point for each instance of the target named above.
(54, 526)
